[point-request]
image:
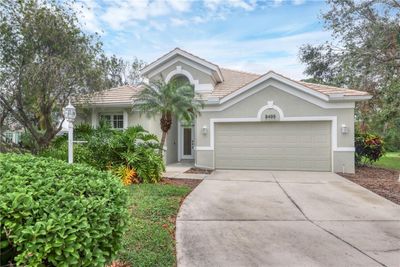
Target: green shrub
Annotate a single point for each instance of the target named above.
(369, 148)
(56, 214)
(107, 148)
(82, 153)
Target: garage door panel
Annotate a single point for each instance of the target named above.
(275, 146)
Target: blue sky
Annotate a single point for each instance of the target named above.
(248, 35)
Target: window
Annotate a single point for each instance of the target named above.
(9, 137)
(118, 121)
(115, 121)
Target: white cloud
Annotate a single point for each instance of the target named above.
(120, 14)
(178, 22)
(157, 25)
(212, 4)
(86, 10)
(217, 4)
(298, 2)
(242, 4)
(252, 55)
(198, 19)
(278, 2)
(180, 5)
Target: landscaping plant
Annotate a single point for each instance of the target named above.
(175, 98)
(56, 214)
(369, 148)
(132, 150)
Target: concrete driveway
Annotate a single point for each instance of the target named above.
(269, 218)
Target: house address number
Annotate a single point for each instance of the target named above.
(270, 116)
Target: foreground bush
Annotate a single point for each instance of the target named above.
(369, 148)
(55, 214)
(135, 149)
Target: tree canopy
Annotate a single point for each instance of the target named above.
(46, 59)
(364, 54)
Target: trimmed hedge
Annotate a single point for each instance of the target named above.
(56, 214)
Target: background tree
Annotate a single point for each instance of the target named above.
(134, 77)
(364, 55)
(168, 100)
(120, 72)
(45, 59)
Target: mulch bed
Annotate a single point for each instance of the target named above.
(383, 182)
(199, 171)
(192, 183)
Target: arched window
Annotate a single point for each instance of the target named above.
(180, 79)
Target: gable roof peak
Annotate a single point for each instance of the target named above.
(178, 51)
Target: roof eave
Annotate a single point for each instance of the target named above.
(112, 104)
(349, 98)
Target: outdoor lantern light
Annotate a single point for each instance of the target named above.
(70, 112)
(345, 129)
(70, 115)
(204, 129)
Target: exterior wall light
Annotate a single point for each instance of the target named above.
(204, 130)
(345, 129)
(70, 114)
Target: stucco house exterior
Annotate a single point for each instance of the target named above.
(249, 121)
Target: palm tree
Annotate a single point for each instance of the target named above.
(172, 99)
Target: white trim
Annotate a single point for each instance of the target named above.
(203, 167)
(125, 118)
(94, 119)
(187, 55)
(279, 86)
(345, 149)
(270, 105)
(112, 105)
(179, 70)
(199, 88)
(353, 98)
(180, 141)
(180, 60)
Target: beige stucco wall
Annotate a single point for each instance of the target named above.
(292, 106)
(150, 124)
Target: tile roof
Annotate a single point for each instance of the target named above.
(122, 94)
(331, 90)
(233, 81)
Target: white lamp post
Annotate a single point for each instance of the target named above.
(70, 115)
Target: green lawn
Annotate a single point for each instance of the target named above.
(390, 160)
(149, 240)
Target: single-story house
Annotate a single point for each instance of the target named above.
(249, 121)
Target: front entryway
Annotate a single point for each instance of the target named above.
(186, 144)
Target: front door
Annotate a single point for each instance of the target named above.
(187, 146)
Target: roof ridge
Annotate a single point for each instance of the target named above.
(178, 48)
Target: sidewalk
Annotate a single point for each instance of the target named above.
(177, 171)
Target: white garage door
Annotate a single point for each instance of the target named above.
(273, 146)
